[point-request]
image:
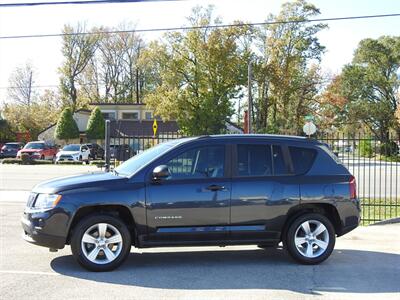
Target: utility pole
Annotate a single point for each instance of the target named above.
(250, 100)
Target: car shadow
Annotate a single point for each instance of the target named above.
(351, 271)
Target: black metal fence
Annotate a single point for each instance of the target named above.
(374, 163)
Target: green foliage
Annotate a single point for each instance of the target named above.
(389, 149)
(66, 127)
(370, 85)
(33, 118)
(365, 148)
(17, 161)
(200, 72)
(26, 159)
(286, 73)
(96, 126)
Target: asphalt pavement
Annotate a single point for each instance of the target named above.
(364, 265)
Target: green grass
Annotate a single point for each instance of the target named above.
(379, 209)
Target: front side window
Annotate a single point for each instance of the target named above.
(204, 162)
(254, 160)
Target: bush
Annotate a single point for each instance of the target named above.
(18, 161)
(389, 149)
(66, 126)
(26, 159)
(70, 163)
(365, 148)
(96, 126)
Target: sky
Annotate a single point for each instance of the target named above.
(340, 39)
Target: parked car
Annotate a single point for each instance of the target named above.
(39, 150)
(96, 151)
(73, 152)
(212, 190)
(10, 150)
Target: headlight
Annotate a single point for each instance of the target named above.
(47, 200)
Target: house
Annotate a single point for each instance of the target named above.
(127, 120)
(81, 117)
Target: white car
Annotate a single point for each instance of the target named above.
(73, 152)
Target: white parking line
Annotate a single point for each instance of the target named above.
(14, 272)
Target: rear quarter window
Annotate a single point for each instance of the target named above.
(302, 159)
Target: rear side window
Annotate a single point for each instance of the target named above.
(302, 159)
(254, 160)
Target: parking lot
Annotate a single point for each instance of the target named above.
(365, 264)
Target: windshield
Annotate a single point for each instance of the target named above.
(10, 146)
(133, 164)
(72, 148)
(34, 146)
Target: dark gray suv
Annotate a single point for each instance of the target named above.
(210, 190)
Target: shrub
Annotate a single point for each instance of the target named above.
(389, 149)
(66, 126)
(95, 127)
(26, 159)
(365, 148)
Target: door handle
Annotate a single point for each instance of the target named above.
(215, 187)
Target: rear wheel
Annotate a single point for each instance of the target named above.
(100, 243)
(310, 238)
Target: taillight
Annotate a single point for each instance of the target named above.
(353, 187)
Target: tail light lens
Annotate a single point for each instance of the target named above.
(353, 187)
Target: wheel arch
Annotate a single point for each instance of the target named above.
(326, 209)
(120, 211)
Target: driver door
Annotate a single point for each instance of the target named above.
(193, 203)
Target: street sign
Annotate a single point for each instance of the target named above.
(309, 128)
(155, 127)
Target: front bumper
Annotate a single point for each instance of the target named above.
(45, 229)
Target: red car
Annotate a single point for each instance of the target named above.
(39, 150)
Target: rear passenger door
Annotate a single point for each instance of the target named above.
(263, 190)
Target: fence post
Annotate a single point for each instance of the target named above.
(107, 146)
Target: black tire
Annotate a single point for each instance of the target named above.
(291, 234)
(42, 157)
(80, 229)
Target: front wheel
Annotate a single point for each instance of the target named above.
(100, 243)
(310, 238)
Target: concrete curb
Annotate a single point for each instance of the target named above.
(385, 222)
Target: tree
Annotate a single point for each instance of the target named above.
(200, 72)
(77, 49)
(66, 126)
(285, 70)
(370, 84)
(21, 82)
(96, 127)
(34, 118)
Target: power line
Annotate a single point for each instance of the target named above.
(199, 27)
(81, 2)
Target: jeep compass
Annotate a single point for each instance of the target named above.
(202, 191)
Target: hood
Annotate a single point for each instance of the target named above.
(30, 150)
(62, 152)
(77, 181)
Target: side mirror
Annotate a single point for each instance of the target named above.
(161, 172)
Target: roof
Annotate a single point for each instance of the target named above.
(128, 128)
(261, 136)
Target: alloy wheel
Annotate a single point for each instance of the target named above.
(101, 243)
(311, 238)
